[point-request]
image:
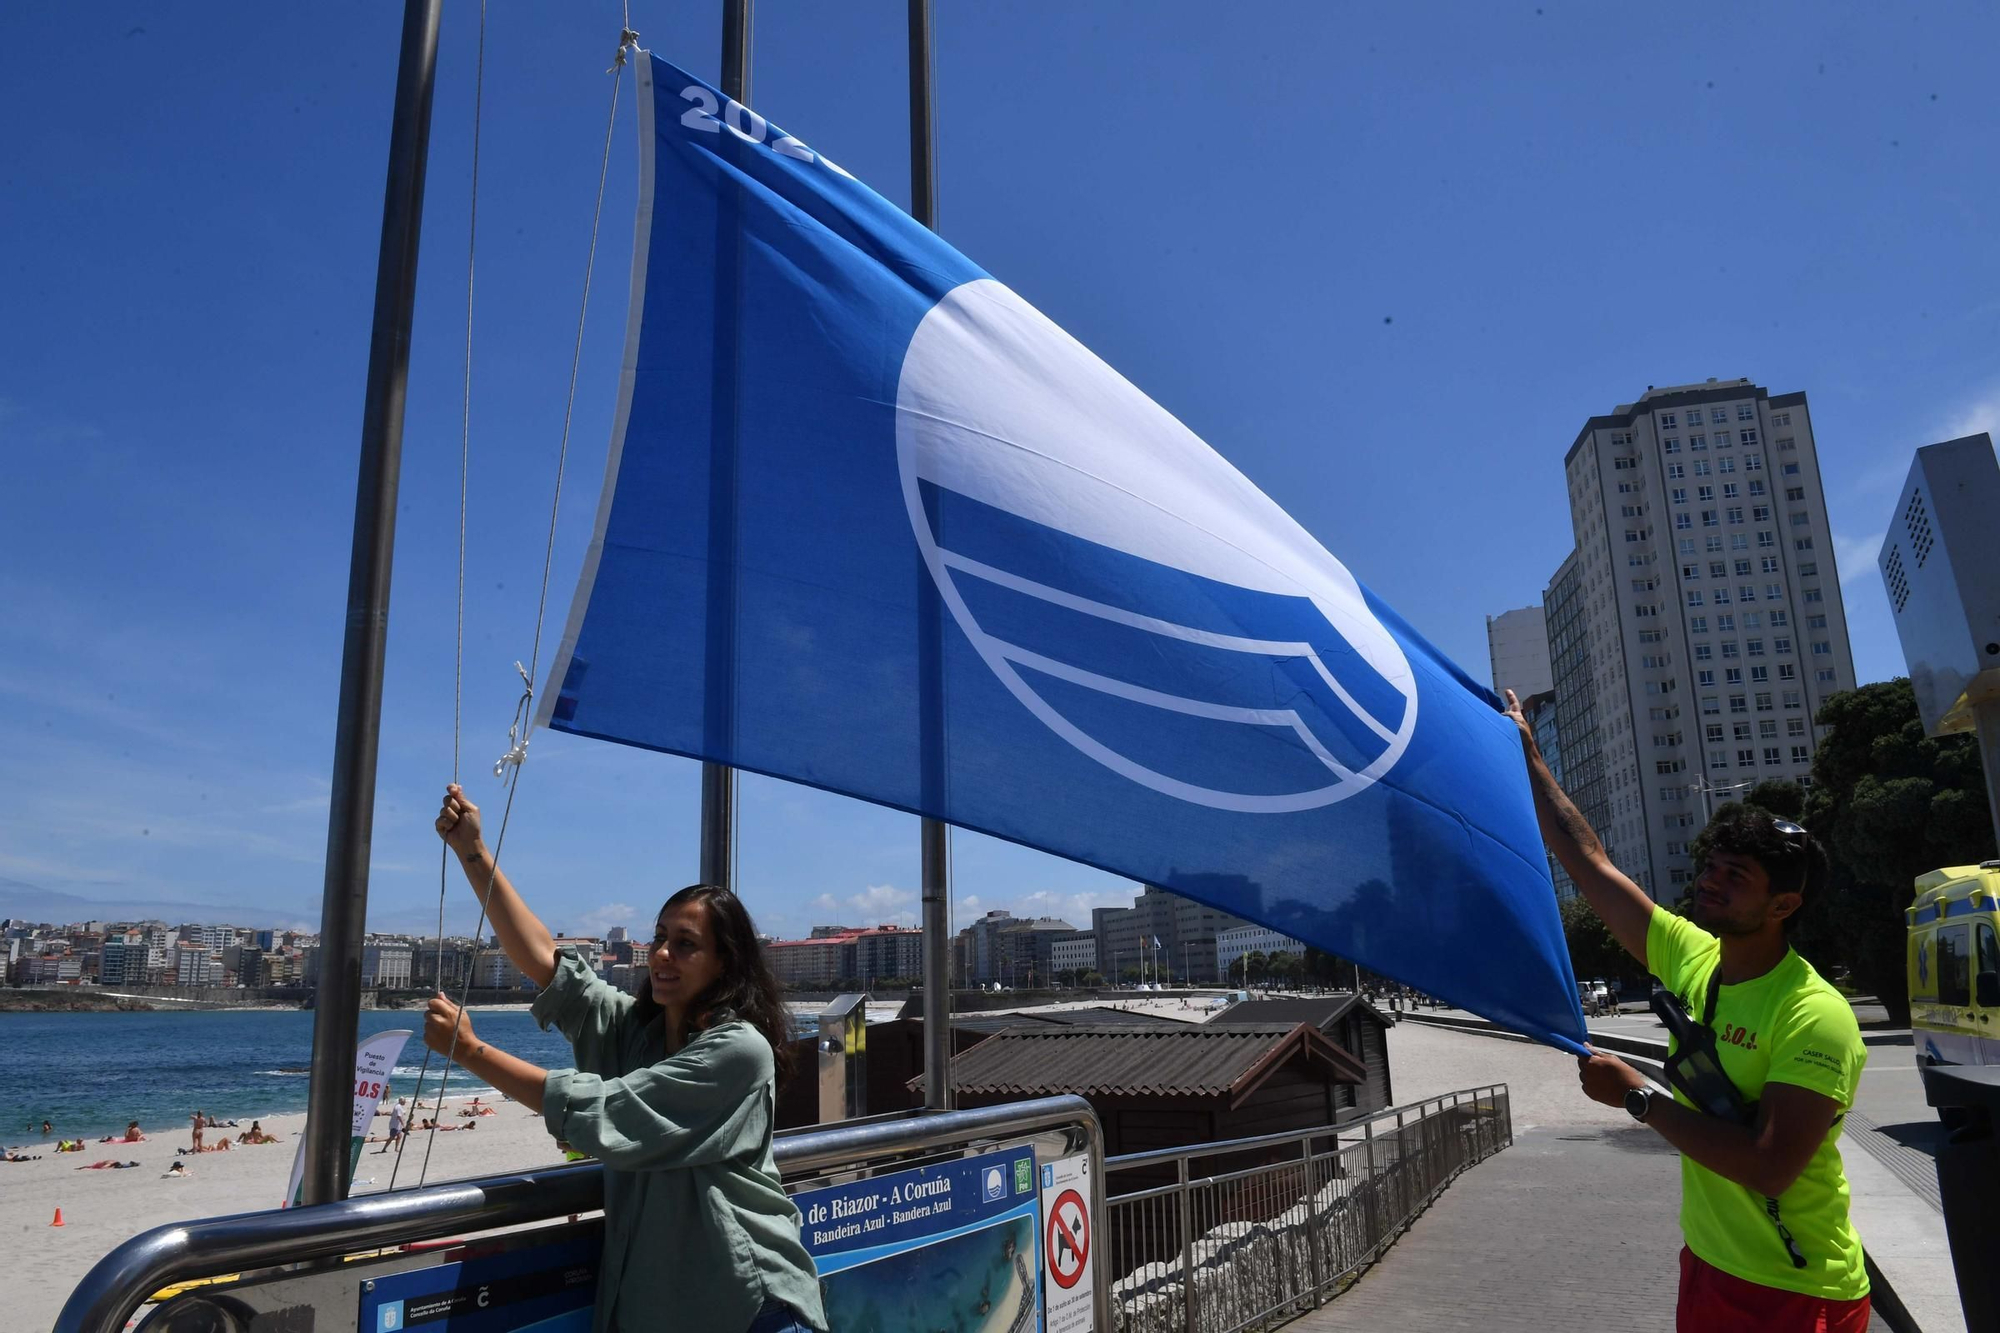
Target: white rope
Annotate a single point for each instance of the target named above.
(510, 765)
(458, 653)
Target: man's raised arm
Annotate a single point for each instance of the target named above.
(1623, 906)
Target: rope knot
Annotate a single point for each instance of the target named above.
(626, 37)
(517, 733)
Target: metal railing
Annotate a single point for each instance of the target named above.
(127, 1277)
(1265, 1228)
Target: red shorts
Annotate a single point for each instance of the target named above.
(1713, 1301)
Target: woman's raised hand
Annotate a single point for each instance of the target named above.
(443, 1019)
(458, 821)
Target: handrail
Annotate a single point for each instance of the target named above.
(120, 1282)
(1152, 1157)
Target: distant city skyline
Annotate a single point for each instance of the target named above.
(1387, 296)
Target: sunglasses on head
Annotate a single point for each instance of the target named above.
(1795, 835)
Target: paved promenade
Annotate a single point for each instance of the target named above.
(1572, 1228)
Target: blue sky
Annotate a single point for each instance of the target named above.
(1385, 259)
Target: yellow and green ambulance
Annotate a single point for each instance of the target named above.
(1954, 962)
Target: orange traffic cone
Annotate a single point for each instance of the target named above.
(58, 1222)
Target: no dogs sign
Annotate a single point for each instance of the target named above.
(1066, 1242)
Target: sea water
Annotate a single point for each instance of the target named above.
(89, 1073)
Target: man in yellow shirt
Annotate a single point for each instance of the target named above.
(1772, 1052)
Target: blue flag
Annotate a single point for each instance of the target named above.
(873, 523)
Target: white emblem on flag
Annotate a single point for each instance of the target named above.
(999, 405)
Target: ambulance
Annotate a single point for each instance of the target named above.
(1954, 966)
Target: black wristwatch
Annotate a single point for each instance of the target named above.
(1638, 1102)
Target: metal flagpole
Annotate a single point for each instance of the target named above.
(936, 870)
(718, 781)
(357, 734)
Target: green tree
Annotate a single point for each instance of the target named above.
(1593, 951)
(1890, 803)
(1786, 800)
(1256, 966)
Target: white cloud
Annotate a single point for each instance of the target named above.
(1980, 414)
(876, 905)
(1855, 556)
(598, 921)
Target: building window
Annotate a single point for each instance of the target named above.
(1729, 648)
(1729, 490)
(1760, 513)
(1786, 671)
(1738, 704)
(1809, 570)
(1675, 471)
(1678, 495)
(1718, 569)
(1670, 445)
(1708, 519)
(1785, 444)
(1718, 416)
(1725, 623)
(1667, 420)
(1704, 493)
(1632, 534)
(1741, 731)
(1812, 595)
(1701, 467)
(1802, 544)
(1735, 513)
(1763, 701)
(1704, 677)
(1732, 676)
(1746, 759)
(1746, 436)
(1795, 726)
(1821, 648)
(1697, 624)
(1771, 755)
(1824, 675)
(1694, 596)
(1631, 511)
(1791, 698)
(1739, 541)
(1801, 754)
(1687, 546)
(1691, 570)
(1753, 647)
(1779, 619)
(1725, 465)
(1710, 705)
(1753, 463)
(1800, 518)
(1781, 419)
(1756, 484)
(1746, 592)
(1795, 494)
(1766, 539)
(1759, 674)
(1752, 619)
(1776, 593)
(1720, 759)
(1683, 522)
(1713, 733)
(1702, 653)
(1697, 443)
(1722, 597)
(1781, 645)
(1767, 564)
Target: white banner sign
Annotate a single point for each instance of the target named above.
(373, 1063)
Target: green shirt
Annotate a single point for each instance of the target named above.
(1787, 1026)
(698, 1230)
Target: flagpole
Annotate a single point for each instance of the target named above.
(718, 781)
(936, 870)
(358, 728)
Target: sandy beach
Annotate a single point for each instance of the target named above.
(101, 1209)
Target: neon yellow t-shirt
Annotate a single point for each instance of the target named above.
(1787, 1026)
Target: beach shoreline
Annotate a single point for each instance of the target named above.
(102, 1209)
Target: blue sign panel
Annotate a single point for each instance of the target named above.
(951, 1246)
(537, 1289)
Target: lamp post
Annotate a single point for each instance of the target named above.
(1707, 788)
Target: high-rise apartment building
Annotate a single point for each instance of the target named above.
(1698, 625)
(1517, 644)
